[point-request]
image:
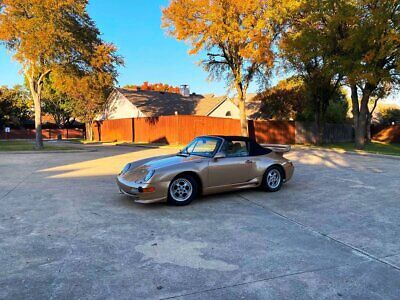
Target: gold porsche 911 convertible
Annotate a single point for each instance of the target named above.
(209, 164)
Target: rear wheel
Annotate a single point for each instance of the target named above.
(182, 190)
(273, 179)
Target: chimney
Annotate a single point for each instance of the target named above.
(185, 90)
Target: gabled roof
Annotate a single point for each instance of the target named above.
(208, 104)
(154, 104)
(253, 106)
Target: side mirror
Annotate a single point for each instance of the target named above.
(219, 155)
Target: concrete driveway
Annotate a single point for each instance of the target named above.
(333, 232)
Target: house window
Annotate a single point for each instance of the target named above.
(228, 114)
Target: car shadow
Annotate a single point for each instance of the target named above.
(128, 202)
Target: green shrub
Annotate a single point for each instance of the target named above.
(389, 116)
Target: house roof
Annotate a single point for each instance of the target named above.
(253, 106)
(208, 104)
(154, 104)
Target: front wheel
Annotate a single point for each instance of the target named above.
(182, 190)
(273, 179)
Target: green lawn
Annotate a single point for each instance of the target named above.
(82, 141)
(374, 147)
(150, 145)
(28, 146)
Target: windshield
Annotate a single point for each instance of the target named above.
(203, 146)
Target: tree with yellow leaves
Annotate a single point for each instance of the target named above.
(371, 59)
(90, 88)
(55, 37)
(310, 47)
(236, 35)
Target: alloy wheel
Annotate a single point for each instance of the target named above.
(273, 178)
(181, 189)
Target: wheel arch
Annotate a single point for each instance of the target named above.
(278, 166)
(195, 177)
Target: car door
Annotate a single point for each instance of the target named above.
(234, 169)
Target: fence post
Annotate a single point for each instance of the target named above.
(179, 134)
(133, 130)
(99, 129)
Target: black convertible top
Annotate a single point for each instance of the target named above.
(255, 148)
(233, 137)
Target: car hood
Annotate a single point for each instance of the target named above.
(139, 169)
(169, 161)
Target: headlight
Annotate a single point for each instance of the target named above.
(148, 176)
(125, 169)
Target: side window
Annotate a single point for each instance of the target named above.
(236, 149)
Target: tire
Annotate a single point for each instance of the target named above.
(182, 190)
(273, 179)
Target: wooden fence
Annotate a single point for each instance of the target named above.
(47, 134)
(273, 132)
(182, 129)
(114, 130)
(307, 133)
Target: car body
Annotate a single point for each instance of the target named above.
(208, 165)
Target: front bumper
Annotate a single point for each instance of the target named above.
(136, 191)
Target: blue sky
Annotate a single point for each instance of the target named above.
(150, 55)
(134, 26)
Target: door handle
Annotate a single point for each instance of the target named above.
(249, 161)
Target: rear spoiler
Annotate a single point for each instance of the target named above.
(278, 149)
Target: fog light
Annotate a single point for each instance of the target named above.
(149, 190)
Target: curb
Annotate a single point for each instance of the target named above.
(149, 146)
(138, 146)
(48, 152)
(364, 154)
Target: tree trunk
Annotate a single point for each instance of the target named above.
(360, 116)
(36, 95)
(368, 135)
(38, 122)
(242, 110)
(243, 118)
(369, 120)
(356, 114)
(35, 86)
(89, 131)
(58, 120)
(361, 131)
